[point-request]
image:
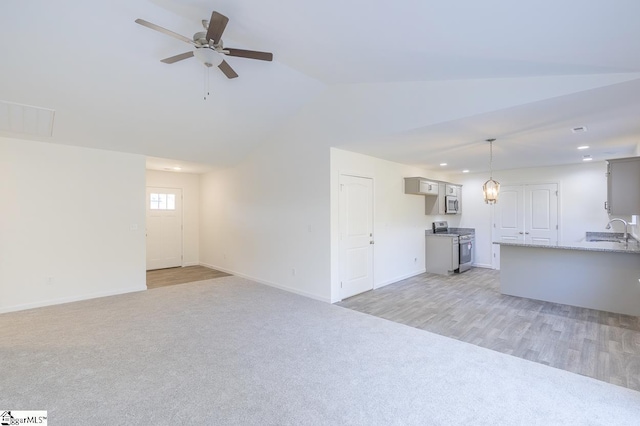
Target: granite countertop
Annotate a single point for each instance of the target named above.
(453, 232)
(632, 247)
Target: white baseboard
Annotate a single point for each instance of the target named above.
(184, 265)
(400, 278)
(391, 281)
(483, 265)
(270, 284)
(70, 299)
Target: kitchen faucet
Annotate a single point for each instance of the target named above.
(626, 235)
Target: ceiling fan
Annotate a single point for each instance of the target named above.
(208, 44)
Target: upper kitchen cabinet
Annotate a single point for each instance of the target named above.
(420, 186)
(623, 186)
(447, 197)
(453, 190)
(449, 200)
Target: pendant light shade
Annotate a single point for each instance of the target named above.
(491, 188)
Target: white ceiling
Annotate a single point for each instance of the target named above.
(415, 81)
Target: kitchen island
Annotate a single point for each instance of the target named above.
(597, 275)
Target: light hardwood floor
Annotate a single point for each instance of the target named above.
(171, 276)
(470, 307)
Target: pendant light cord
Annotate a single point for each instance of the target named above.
(490, 158)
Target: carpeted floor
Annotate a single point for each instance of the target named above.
(229, 351)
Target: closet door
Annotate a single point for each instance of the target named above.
(541, 214)
(508, 225)
(525, 214)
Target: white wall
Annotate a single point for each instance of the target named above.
(583, 191)
(399, 219)
(270, 215)
(189, 183)
(71, 223)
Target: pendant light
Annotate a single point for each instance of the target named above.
(491, 188)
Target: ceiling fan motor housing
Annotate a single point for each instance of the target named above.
(200, 39)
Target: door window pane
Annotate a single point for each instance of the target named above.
(162, 201)
(154, 202)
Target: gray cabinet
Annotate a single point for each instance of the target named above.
(623, 186)
(435, 205)
(454, 190)
(436, 192)
(442, 254)
(420, 186)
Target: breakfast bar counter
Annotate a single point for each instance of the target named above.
(598, 275)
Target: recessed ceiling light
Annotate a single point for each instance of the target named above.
(465, 171)
(587, 158)
(583, 147)
(443, 164)
(177, 168)
(580, 129)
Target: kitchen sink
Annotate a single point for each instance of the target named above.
(599, 239)
(608, 237)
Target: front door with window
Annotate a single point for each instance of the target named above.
(164, 228)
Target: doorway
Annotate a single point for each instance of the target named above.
(356, 235)
(164, 228)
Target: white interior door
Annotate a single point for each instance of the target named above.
(164, 228)
(509, 215)
(508, 219)
(525, 214)
(356, 235)
(541, 214)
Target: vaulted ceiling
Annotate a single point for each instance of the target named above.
(415, 81)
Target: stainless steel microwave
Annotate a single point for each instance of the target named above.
(450, 204)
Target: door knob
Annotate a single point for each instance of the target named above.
(371, 242)
(520, 233)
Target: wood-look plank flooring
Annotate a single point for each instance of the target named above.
(171, 276)
(469, 307)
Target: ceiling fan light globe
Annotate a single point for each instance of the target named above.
(209, 57)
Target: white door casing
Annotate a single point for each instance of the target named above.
(356, 235)
(525, 214)
(164, 227)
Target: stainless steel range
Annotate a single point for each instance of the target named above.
(449, 250)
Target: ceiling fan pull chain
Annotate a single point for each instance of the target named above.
(204, 83)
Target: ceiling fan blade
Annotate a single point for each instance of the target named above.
(227, 70)
(217, 24)
(251, 54)
(163, 30)
(177, 58)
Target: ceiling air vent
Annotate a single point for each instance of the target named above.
(25, 120)
(580, 129)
